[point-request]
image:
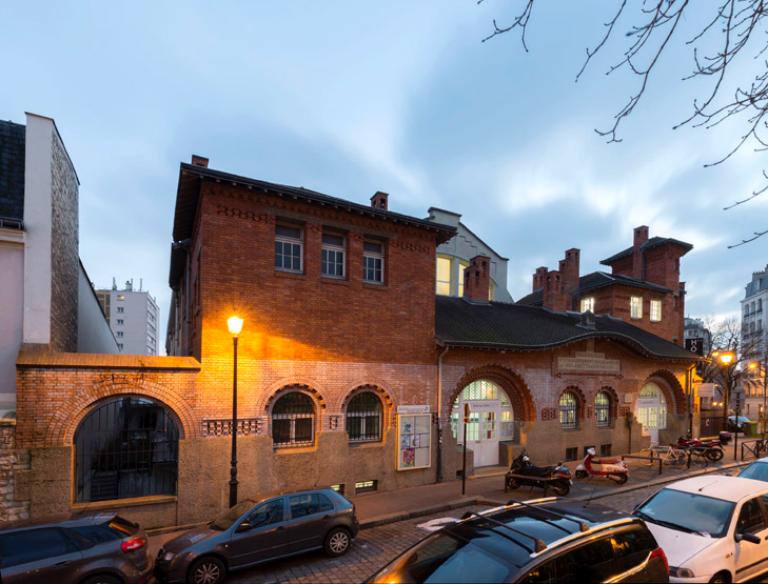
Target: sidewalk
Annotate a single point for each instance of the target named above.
(487, 487)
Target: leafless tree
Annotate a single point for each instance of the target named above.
(731, 27)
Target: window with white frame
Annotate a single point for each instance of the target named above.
(364, 416)
(443, 285)
(462, 266)
(588, 304)
(332, 255)
(636, 307)
(373, 262)
(293, 420)
(655, 310)
(289, 248)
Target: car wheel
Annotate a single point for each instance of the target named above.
(103, 579)
(337, 542)
(720, 578)
(207, 570)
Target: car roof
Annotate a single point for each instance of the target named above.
(726, 488)
(77, 520)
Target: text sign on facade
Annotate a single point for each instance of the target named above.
(414, 409)
(588, 362)
(695, 346)
(414, 440)
(485, 406)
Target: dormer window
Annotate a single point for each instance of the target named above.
(588, 304)
(636, 307)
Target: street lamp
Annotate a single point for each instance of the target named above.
(235, 325)
(725, 358)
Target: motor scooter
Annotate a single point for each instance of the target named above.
(611, 468)
(523, 472)
(712, 449)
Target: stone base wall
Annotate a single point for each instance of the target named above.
(11, 462)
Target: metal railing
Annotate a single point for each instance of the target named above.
(757, 448)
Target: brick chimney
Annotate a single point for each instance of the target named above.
(477, 279)
(379, 200)
(569, 270)
(555, 297)
(538, 278)
(641, 236)
(199, 161)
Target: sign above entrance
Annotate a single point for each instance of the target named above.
(588, 362)
(648, 402)
(484, 406)
(413, 409)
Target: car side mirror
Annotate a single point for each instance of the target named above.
(750, 537)
(244, 526)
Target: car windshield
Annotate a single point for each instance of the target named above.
(757, 471)
(688, 512)
(226, 519)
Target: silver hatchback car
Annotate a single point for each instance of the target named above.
(254, 532)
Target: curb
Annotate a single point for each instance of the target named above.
(403, 515)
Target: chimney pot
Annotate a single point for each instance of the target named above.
(477, 279)
(380, 200)
(199, 161)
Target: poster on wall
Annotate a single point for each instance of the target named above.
(414, 433)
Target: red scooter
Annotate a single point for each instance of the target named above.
(611, 468)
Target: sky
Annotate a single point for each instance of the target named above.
(348, 98)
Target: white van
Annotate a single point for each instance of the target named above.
(712, 528)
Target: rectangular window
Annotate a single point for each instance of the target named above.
(588, 304)
(443, 287)
(366, 486)
(119, 334)
(655, 310)
(462, 266)
(339, 488)
(373, 262)
(605, 450)
(571, 453)
(120, 309)
(636, 307)
(120, 321)
(289, 248)
(119, 346)
(332, 255)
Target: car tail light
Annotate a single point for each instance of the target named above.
(133, 544)
(659, 553)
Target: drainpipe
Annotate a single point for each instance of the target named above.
(439, 402)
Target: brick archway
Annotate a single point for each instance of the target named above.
(388, 404)
(516, 388)
(673, 391)
(317, 398)
(66, 420)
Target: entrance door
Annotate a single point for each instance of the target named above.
(482, 435)
(651, 411)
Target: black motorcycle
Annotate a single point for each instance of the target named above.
(523, 472)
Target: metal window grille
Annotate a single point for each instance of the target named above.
(127, 447)
(569, 406)
(602, 409)
(293, 420)
(288, 249)
(332, 256)
(364, 417)
(373, 262)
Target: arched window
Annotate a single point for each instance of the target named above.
(569, 410)
(126, 447)
(364, 417)
(293, 420)
(603, 409)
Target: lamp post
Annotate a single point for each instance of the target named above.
(725, 358)
(235, 325)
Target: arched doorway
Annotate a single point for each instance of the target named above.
(651, 410)
(491, 420)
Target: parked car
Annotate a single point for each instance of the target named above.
(254, 532)
(89, 549)
(544, 540)
(758, 470)
(737, 424)
(713, 528)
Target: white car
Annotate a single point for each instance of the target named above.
(712, 528)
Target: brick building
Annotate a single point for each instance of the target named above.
(351, 371)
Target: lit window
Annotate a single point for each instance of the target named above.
(588, 304)
(443, 276)
(289, 248)
(373, 262)
(462, 266)
(364, 417)
(366, 486)
(293, 420)
(603, 409)
(636, 307)
(569, 407)
(655, 310)
(491, 290)
(332, 255)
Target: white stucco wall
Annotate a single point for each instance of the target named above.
(93, 332)
(11, 314)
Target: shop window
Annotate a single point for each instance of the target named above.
(366, 486)
(293, 420)
(602, 409)
(571, 453)
(126, 447)
(569, 410)
(364, 417)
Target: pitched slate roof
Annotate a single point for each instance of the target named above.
(594, 281)
(498, 325)
(12, 140)
(650, 244)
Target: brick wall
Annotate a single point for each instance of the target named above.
(64, 250)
